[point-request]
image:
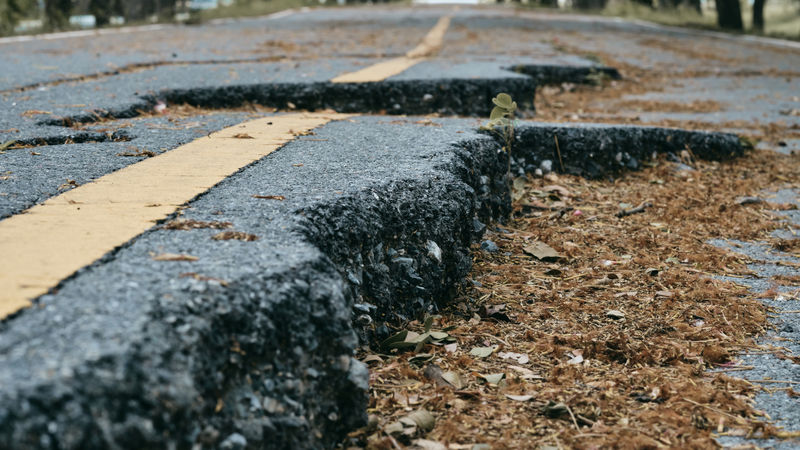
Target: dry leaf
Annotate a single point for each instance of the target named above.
(519, 398)
(237, 235)
(174, 257)
(270, 197)
(543, 252)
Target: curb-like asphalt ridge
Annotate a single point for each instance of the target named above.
(254, 341)
(128, 354)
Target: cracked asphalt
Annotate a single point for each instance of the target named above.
(251, 346)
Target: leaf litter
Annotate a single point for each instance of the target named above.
(618, 337)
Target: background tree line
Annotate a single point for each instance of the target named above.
(55, 13)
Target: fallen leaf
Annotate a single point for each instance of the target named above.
(519, 398)
(427, 123)
(242, 136)
(372, 358)
(542, 251)
(576, 360)
(174, 257)
(492, 378)
(455, 379)
(236, 235)
(555, 410)
(424, 444)
(35, 112)
(520, 358)
(270, 197)
(421, 418)
(451, 348)
(481, 352)
(614, 314)
(561, 190)
(189, 224)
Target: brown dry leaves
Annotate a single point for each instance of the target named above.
(619, 336)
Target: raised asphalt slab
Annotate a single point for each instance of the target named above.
(174, 339)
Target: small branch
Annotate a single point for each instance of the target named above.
(577, 428)
(638, 209)
(718, 411)
(495, 337)
(559, 153)
(734, 369)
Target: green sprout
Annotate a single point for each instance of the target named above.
(501, 123)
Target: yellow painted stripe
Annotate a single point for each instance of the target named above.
(429, 46)
(51, 241)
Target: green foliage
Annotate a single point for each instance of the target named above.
(501, 119)
(11, 11)
(408, 339)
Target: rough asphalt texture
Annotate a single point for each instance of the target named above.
(130, 354)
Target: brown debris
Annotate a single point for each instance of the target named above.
(620, 336)
(236, 235)
(189, 224)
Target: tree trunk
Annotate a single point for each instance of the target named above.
(589, 4)
(57, 13)
(729, 15)
(758, 15)
(695, 4)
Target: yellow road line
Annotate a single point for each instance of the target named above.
(383, 70)
(51, 241)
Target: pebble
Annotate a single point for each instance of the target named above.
(489, 246)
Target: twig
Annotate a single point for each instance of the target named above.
(559, 153)
(735, 369)
(638, 209)
(774, 381)
(573, 419)
(790, 312)
(713, 409)
(504, 342)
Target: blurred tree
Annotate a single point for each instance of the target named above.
(729, 15)
(10, 14)
(56, 13)
(758, 15)
(589, 4)
(103, 10)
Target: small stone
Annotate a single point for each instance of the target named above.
(546, 166)
(234, 442)
(538, 173)
(489, 246)
(478, 228)
(427, 97)
(364, 320)
(434, 251)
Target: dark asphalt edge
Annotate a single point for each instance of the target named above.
(597, 150)
(464, 97)
(309, 302)
(556, 74)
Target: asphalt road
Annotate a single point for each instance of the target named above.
(254, 341)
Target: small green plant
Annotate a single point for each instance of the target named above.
(501, 122)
